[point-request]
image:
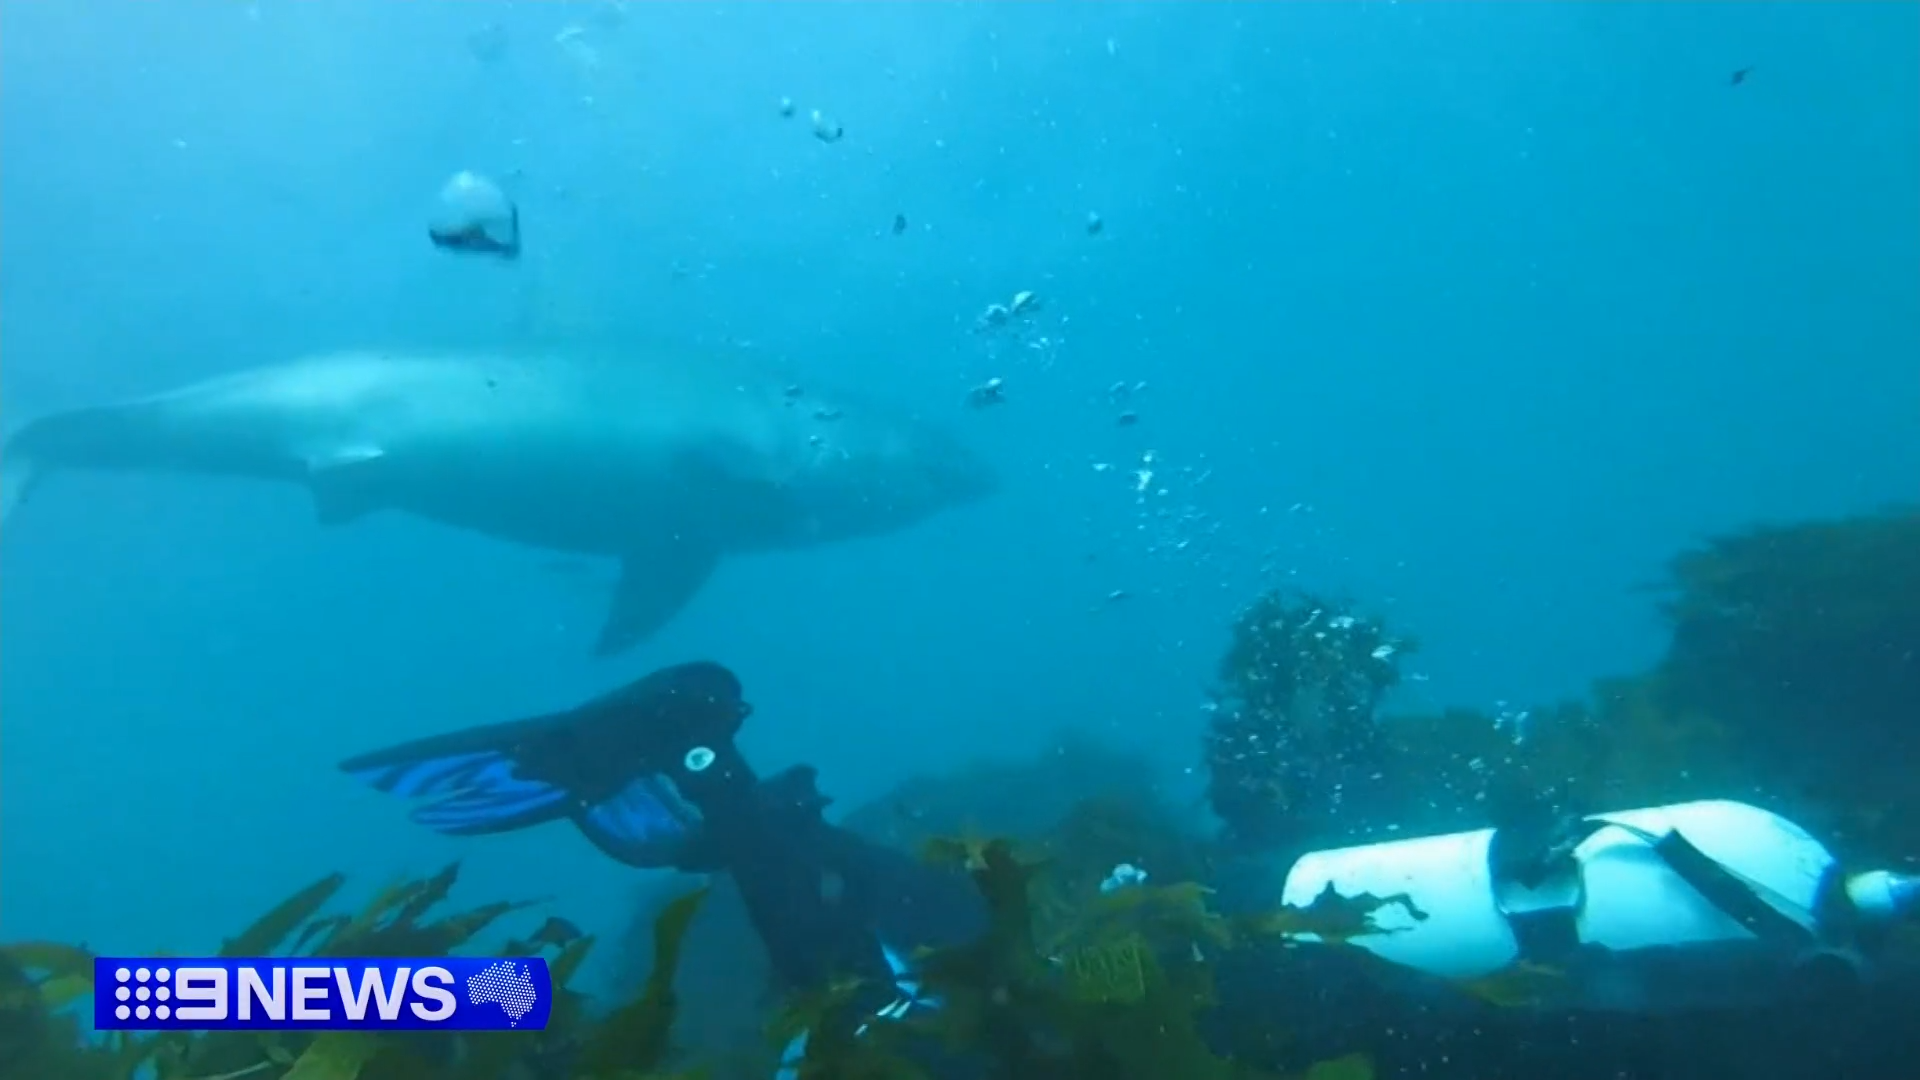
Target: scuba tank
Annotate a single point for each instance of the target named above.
(1668, 906)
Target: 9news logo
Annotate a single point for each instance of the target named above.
(305, 994)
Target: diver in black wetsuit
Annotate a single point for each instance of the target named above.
(650, 774)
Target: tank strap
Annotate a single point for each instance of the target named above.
(1739, 898)
(1541, 897)
(1539, 889)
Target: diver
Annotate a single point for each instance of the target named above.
(650, 775)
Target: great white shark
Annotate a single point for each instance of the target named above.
(667, 462)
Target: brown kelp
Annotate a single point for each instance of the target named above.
(1098, 985)
(41, 984)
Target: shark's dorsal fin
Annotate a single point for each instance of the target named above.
(656, 581)
(338, 478)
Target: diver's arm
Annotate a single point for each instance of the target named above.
(826, 901)
(905, 901)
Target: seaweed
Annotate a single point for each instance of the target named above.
(1329, 917)
(1111, 986)
(39, 1036)
(636, 1037)
(42, 982)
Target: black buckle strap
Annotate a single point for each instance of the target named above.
(1538, 887)
(1542, 894)
(1734, 895)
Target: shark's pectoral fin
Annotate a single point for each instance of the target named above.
(655, 583)
(341, 480)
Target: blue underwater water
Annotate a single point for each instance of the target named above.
(1477, 311)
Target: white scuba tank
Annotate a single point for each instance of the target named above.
(1628, 897)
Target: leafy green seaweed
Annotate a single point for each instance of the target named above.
(636, 1037)
(41, 982)
(1109, 986)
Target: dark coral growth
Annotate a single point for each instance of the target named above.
(1464, 769)
(1803, 625)
(1293, 731)
(1808, 638)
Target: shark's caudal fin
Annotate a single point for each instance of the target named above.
(655, 583)
(93, 437)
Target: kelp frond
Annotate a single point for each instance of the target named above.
(42, 982)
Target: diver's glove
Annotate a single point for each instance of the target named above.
(908, 999)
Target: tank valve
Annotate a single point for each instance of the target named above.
(1884, 896)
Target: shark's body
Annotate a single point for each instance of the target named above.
(668, 463)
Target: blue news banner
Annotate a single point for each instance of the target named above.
(321, 994)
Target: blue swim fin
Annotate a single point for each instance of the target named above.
(484, 781)
(647, 824)
(475, 792)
